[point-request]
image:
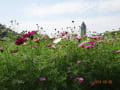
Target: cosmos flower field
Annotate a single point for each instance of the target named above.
(64, 62)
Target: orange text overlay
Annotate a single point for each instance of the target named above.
(103, 81)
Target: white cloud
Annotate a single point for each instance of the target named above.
(60, 8)
(77, 7)
(99, 24)
(109, 5)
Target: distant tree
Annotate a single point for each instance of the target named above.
(83, 28)
(5, 32)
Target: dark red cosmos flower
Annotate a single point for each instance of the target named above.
(20, 41)
(78, 40)
(49, 45)
(25, 35)
(14, 51)
(29, 34)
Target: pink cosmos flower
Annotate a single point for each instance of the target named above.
(100, 41)
(80, 79)
(14, 51)
(37, 40)
(42, 79)
(118, 51)
(53, 37)
(92, 83)
(44, 36)
(92, 42)
(78, 62)
(81, 45)
(64, 37)
(63, 33)
(96, 37)
(20, 41)
(87, 47)
(85, 35)
(53, 47)
(76, 37)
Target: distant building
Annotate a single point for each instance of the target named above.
(83, 29)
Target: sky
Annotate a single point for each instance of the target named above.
(98, 15)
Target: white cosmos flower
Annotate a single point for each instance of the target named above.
(57, 40)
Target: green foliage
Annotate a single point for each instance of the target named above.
(22, 70)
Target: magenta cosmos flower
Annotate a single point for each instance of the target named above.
(81, 45)
(80, 79)
(42, 79)
(118, 51)
(92, 42)
(20, 41)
